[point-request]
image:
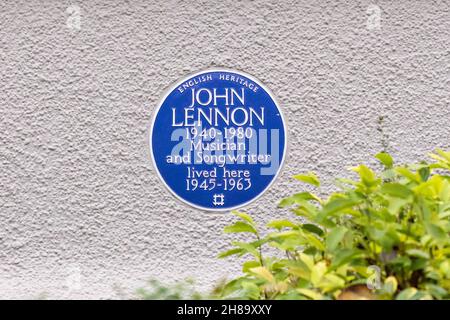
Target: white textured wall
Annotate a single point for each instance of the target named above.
(77, 190)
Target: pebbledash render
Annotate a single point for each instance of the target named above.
(83, 212)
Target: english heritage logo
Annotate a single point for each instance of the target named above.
(218, 139)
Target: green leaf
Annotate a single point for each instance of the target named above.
(244, 216)
(407, 173)
(419, 264)
(299, 198)
(407, 294)
(311, 294)
(286, 202)
(246, 266)
(384, 235)
(332, 282)
(230, 252)
(299, 269)
(309, 178)
(263, 273)
(385, 159)
(367, 176)
(314, 241)
(318, 272)
(424, 173)
(396, 190)
(402, 261)
(232, 286)
(334, 237)
(338, 204)
(388, 174)
(280, 224)
(302, 196)
(343, 181)
(442, 156)
(395, 204)
(307, 260)
(251, 290)
(287, 240)
(445, 268)
(436, 291)
(246, 247)
(390, 285)
(260, 242)
(312, 228)
(239, 226)
(412, 294)
(418, 253)
(435, 231)
(344, 256)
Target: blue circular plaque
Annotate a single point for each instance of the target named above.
(218, 139)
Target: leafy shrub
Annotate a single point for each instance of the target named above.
(180, 290)
(156, 290)
(382, 236)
